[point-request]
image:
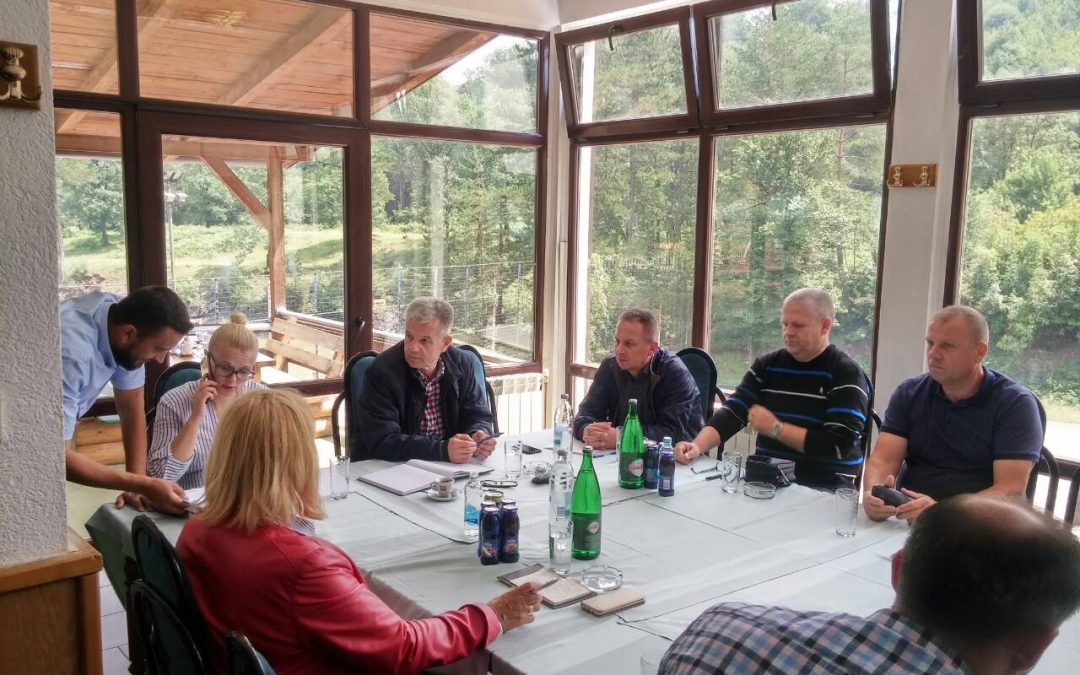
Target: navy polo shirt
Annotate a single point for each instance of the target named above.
(952, 446)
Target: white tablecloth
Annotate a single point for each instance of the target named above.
(684, 553)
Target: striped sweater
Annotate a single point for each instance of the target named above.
(829, 396)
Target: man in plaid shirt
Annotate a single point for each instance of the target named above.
(982, 585)
(421, 398)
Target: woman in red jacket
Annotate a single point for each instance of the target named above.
(256, 566)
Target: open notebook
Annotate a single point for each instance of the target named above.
(418, 474)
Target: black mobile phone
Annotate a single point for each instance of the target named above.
(529, 449)
(889, 496)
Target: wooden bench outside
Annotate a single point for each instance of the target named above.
(303, 345)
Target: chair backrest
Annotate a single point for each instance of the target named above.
(161, 569)
(174, 376)
(703, 369)
(242, 658)
(167, 642)
(1070, 501)
(480, 373)
(351, 391)
(1047, 464)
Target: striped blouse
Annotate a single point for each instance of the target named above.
(173, 411)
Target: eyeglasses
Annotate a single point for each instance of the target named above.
(707, 466)
(226, 371)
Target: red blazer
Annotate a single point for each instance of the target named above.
(303, 604)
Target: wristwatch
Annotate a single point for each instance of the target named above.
(776, 429)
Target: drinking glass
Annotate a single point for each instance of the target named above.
(561, 537)
(847, 507)
(339, 477)
(512, 455)
(731, 468)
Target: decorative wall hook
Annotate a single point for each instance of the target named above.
(19, 81)
(911, 175)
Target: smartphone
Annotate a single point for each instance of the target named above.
(529, 449)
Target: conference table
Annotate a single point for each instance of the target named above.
(683, 553)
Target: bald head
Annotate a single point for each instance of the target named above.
(981, 568)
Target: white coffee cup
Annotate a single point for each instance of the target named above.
(443, 486)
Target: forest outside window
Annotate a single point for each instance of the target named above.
(456, 221)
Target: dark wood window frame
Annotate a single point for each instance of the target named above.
(1002, 98)
(143, 120)
(874, 109)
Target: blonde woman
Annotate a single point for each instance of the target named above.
(255, 566)
(188, 415)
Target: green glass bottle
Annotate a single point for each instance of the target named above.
(585, 510)
(631, 451)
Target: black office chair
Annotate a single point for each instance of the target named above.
(168, 644)
(703, 369)
(480, 372)
(242, 658)
(174, 376)
(351, 391)
(161, 569)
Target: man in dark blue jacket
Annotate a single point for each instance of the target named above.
(421, 400)
(668, 400)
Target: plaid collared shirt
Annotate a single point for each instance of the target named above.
(738, 638)
(431, 419)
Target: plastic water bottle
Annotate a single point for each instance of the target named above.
(560, 490)
(564, 420)
(667, 469)
(473, 494)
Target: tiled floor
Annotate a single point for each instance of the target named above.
(114, 638)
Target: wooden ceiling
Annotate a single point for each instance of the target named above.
(280, 55)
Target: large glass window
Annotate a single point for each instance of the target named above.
(636, 215)
(280, 55)
(434, 73)
(1030, 38)
(629, 75)
(83, 48)
(815, 49)
(257, 227)
(1020, 264)
(794, 209)
(457, 221)
(90, 203)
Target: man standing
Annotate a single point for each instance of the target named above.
(421, 399)
(668, 399)
(808, 401)
(982, 585)
(103, 339)
(959, 428)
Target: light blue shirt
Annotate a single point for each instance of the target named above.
(87, 359)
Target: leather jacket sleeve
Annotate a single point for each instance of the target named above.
(335, 611)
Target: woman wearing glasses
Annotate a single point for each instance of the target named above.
(188, 415)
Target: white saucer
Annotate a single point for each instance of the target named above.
(432, 494)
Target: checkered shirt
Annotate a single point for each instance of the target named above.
(431, 419)
(739, 638)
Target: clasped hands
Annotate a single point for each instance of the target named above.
(463, 447)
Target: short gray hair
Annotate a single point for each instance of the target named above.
(816, 299)
(976, 323)
(643, 316)
(423, 310)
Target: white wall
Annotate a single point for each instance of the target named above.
(32, 508)
(917, 223)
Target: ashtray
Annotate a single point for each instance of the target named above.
(537, 468)
(759, 490)
(601, 578)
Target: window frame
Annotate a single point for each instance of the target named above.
(880, 100)
(679, 16)
(976, 92)
(143, 118)
(875, 109)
